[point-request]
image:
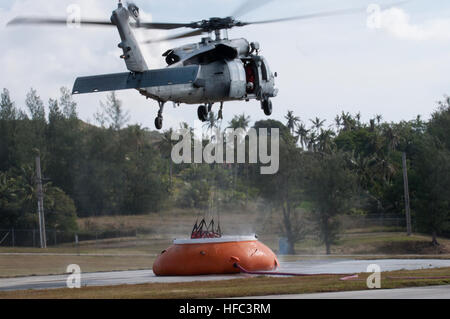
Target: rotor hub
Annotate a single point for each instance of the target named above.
(215, 23)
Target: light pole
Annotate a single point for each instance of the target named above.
(406, 187)
(40, 195)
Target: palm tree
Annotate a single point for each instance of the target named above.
(392, 137)
(363, 165)
(302, 134)
(291, 121)
(211, 123)
(358, 119)
(347, 121)
(337, 121)
(240, 121)
(317, 123)
(185, 127)
(379, 118)
(312, 139)
(165, 145)
(372, 124)
(325, 141)
(386, 169)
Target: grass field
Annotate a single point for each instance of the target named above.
(31, 265)
(256, 286)
(160, 229)
(133, 254)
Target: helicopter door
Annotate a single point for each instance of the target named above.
(237, 79)
(251, 74)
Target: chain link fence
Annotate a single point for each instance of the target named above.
(31, 237)
(381, 220)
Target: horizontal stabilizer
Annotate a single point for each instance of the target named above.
(128, 80)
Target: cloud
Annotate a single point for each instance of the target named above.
(358, 70)
(152, 52)
(397, 22)
(48, 57)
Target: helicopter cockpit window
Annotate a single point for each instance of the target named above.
(264, 71)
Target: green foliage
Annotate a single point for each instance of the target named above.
(354, 169)
(18, 202)
(94, 170)
(439, 125)
(60, 211)
(332, 187)
(195, 195)
(240, 121)
(111, 113)
(7, 108)
(284, 189)
(431, 169)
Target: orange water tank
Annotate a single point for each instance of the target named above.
(207, 256)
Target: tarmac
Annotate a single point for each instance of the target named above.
(430, 292)
(335, 266)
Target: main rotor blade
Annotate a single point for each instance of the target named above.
(65, 21)
(53, 21)
(161, 26)
(178, 36)
(322, 14)
(248, 6)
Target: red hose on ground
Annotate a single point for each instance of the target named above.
(346, 276)
(270, 273)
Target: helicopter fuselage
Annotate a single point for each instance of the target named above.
(208, 72)
(228, 71)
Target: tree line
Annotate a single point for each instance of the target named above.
(326, 169)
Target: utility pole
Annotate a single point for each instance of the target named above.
(407, 206)
(40, 195)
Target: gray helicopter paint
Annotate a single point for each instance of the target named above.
(188, 51)
(238, 82)
(217, 81)
(267, 83)
(132, 54)
(203, 73)
(123, 81)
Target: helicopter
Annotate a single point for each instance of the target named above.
(211, 71)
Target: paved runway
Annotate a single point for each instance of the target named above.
(146, 276)
(431, 292)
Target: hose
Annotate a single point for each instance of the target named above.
(270, 273)
(344, 278)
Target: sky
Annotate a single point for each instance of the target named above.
(395, 64)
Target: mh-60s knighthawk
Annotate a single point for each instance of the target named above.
(212, 71)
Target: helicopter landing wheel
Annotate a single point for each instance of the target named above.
(267, 107)
(220, 117)
(159, 122)
(202, 113)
